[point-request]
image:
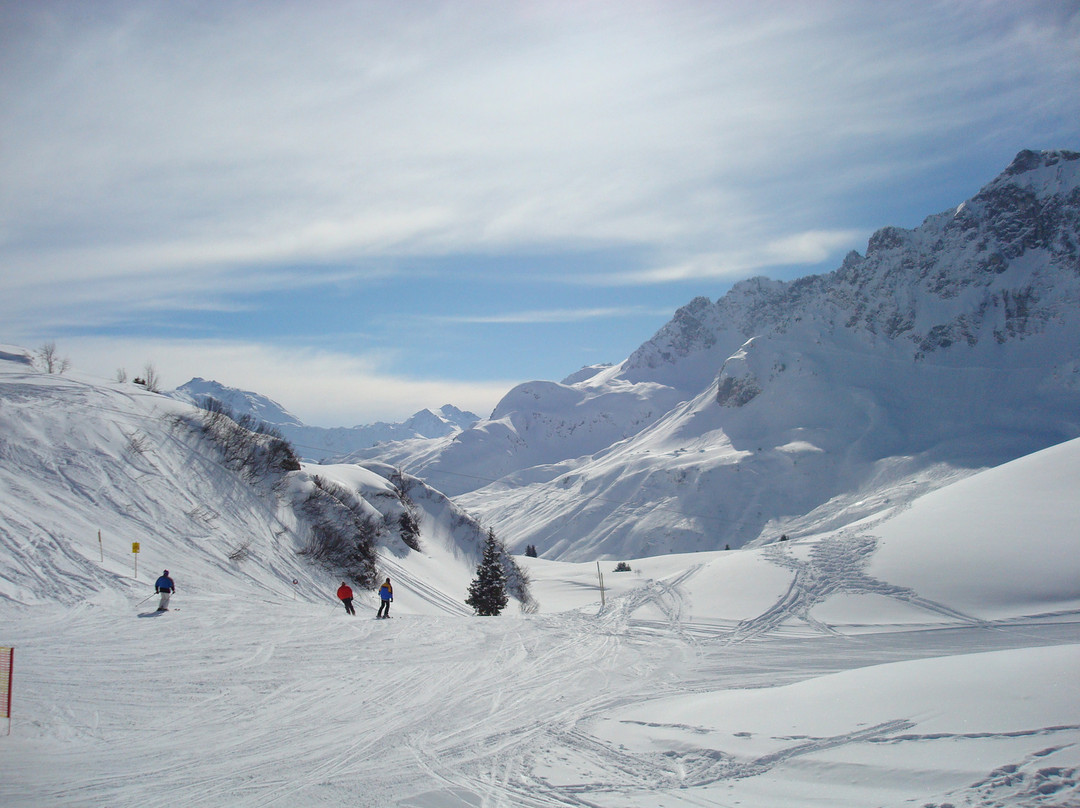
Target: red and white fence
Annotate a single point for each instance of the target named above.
(7, 667)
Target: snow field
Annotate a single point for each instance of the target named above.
(926, 656)
(892, 725)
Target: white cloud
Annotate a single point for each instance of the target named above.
(321, 387)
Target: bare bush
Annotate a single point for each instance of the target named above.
(241, 552)
(137, 444)
(150, 378)
(247, 446)
(203, 515)
(50, 361)
(342, 532)
(409, 529)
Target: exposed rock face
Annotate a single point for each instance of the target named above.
(737, 384)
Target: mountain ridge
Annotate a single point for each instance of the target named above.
(944, 349)
(314, 442)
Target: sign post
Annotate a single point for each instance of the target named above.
(135, 551)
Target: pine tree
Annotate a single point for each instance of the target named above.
(487, 592)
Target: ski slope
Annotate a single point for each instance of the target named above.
(648, 702)
(924, 656)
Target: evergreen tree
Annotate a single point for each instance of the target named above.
(487, 592)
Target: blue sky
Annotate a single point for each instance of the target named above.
(363, 209)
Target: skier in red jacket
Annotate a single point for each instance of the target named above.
(345, 594)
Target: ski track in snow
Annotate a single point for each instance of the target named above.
(833, 566)
(433, 712)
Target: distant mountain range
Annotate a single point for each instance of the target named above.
(795, 407)
(316, 443)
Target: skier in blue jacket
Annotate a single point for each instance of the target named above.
(165, 587)
(386, 592)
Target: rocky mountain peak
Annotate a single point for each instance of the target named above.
(1028, 160)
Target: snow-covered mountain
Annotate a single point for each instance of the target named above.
(318, 443)
(791, 407)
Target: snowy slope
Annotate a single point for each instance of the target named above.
(925, 655)
(320, 443)
(794, 407)
(82, 460)
(987, 544)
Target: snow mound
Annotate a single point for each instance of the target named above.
(1002, 542)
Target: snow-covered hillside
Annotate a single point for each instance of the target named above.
(81, 460)
(793, 407)
(320, 443)
(923, 655)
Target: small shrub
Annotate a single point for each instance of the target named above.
(137, 444)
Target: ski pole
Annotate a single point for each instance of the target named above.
(141, 602)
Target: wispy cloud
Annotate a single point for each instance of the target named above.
(551, 316)
(153, 137)
(810, 247)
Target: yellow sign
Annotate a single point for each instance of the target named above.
(134, 547)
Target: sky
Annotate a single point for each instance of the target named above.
(362, 209)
